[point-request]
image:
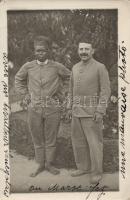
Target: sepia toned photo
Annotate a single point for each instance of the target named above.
(63, 92)
(64, 101)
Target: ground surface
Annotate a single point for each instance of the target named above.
(21, 168)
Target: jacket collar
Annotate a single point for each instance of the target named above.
(88, 62)
(42, 63)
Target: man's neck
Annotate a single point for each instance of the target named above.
(42, 63)
(85, 62)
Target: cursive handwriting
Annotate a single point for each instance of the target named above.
(123, 111)
(122, 129)
(6, 171)
(5, 112)
(96, 188)
(69, 188)
(123, 66)
(5, 63)
(123, 106)
(6, 124)
(34, 189)
(5, 88)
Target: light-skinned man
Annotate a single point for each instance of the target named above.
(89, 94)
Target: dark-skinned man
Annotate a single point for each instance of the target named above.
(40, 81)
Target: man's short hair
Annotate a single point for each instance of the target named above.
(85, 40)
(42, 40)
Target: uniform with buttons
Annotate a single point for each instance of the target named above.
(89, 93)
(43, 81)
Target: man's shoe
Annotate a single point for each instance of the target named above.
(79, 173)
(52, 169)
(96, 178)
(38, 171)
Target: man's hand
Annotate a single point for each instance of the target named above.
(68, 116)
(26, 100)
(98, 117)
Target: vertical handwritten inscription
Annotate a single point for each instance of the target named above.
(123, 104)
(123, 63)
(5, 63)
(5, 112)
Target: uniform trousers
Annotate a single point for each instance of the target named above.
(43, 129)
(87, 141)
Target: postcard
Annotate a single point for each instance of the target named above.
(64, 99)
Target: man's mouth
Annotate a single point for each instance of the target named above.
(83, 55)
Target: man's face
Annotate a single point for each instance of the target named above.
(41, 52)
(85, 51)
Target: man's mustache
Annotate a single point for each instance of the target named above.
(83, 54)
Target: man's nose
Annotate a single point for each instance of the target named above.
(42, 53)
(84, 51)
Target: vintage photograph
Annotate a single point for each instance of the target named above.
(63, 97)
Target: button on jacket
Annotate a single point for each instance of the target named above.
(89, 88)
(89, 91)
(41, 81)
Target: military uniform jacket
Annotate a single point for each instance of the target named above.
(89, 88)
(42, 82)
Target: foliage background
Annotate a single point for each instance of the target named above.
(64, 27)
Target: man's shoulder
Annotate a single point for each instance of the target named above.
(29, 64)
(76, 66)
(98, 64)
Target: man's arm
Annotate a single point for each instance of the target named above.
(63, 72)
(70, 93)
(21, 80)
(105, 90)
(70, 99)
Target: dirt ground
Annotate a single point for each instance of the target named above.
(21, 182)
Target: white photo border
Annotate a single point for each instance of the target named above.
(123, 35)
